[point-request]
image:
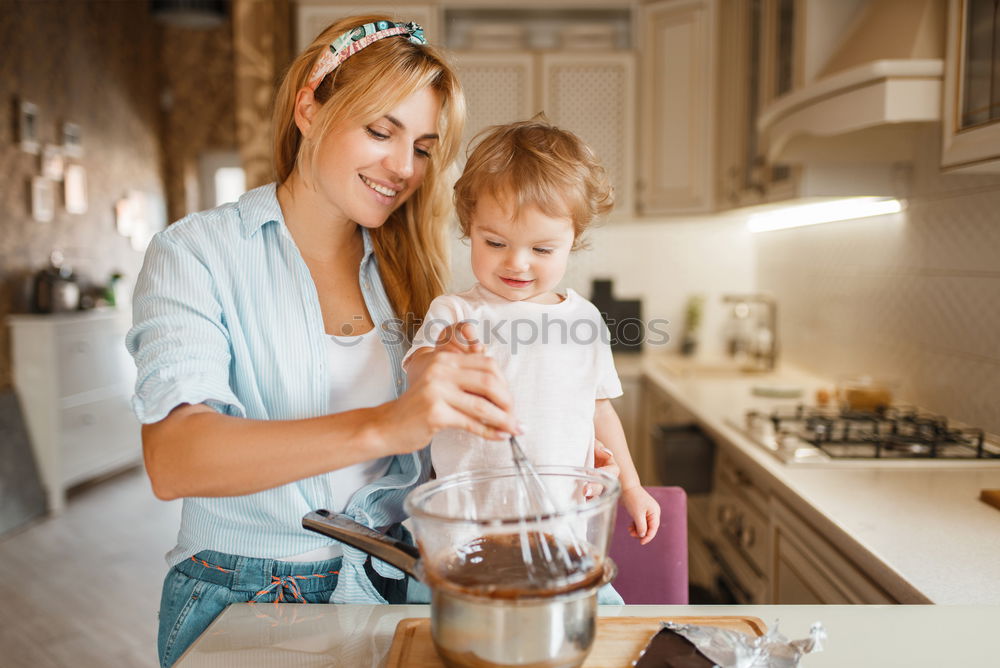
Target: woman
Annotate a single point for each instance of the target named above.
(268, 345)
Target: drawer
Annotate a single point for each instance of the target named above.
(98, 437)
(742, 528)
(739, 482)
(92, 359)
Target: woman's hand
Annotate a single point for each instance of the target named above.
(604, 460)
(644, 511)
(452, 386)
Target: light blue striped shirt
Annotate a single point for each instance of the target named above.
(225, 313)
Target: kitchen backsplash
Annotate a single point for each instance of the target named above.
(661, 263)
(913, 296)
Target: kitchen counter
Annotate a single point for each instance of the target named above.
(266, 634)
(918, 530)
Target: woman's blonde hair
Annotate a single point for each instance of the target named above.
(412, 245)
(535, 162)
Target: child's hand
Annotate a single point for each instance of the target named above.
(459, 338)
(644, 511)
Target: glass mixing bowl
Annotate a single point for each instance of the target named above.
(480, 532)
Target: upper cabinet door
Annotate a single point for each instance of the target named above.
(593, 95)
(971, 113)
(677, 152)
(499, 88)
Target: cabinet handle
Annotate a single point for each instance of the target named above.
(747, 537)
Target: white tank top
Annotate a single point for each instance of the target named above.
(360, 376)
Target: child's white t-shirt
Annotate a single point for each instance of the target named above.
(557, 361)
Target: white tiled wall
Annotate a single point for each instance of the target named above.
(661, 263)
(914, 296)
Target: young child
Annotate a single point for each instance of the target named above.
(528, 192)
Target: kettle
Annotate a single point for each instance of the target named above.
(56, 287)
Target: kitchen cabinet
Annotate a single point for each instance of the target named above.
(766, 553)
(808, 570)
(710, 71)
(971, 110)
(657, 409)
(75, 380)
(676, 153)
(589, 93)
(708, 67)
(759, 61)
(737, 535)
(593, 95)
(499, 88)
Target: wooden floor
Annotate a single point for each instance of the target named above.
(82, 589)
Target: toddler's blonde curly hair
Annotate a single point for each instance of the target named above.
(534, 162)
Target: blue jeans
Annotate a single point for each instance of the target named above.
(198, 589)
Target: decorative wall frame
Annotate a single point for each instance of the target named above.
(75, 189)
(53, 162)
(72, 140)
(43, 199)
(125, 216)
(27, 126)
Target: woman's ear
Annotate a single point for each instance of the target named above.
(305, 109)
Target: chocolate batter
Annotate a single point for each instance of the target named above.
(494, 567)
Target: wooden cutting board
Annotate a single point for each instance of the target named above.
(618, 643)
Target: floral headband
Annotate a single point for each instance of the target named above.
(358, 38)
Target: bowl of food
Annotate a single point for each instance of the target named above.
(865, 394)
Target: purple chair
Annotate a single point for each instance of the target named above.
(655, 573)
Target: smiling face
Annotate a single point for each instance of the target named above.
(365, 171)
(522, 255)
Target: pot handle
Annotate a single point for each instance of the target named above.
(402, 555)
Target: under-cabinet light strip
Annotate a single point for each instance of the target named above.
(801, 215)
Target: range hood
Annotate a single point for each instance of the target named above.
(881, 84)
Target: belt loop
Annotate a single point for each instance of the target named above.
(252, 574)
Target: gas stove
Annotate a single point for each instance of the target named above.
(901, 435)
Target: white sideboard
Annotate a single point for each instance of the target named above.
(75, 379)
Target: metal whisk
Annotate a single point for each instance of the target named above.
(540, 503)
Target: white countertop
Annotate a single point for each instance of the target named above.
(356, 636)
(919, 530)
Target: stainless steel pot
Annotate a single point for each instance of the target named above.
(547, 628)
(56, 287)
(55, 293)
